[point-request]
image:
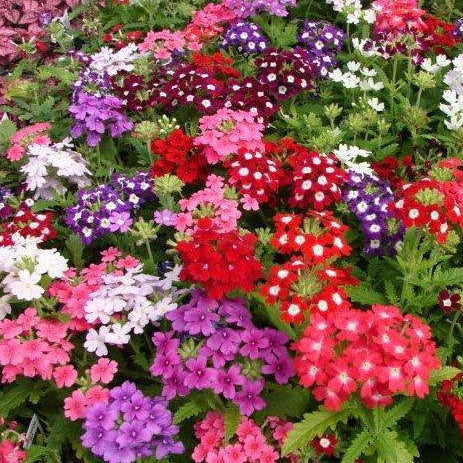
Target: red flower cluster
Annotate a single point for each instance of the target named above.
(255, 174)
(438, 34)
(395, 170)
(308, 280)
(285, 73)
(176, 155)
(220, 262)
(431, 204)
(451, 401)
(380, 351)
(119, 39)
(316, 180)
(27, 223)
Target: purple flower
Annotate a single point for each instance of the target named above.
(174, 385)
(248, 399)
(120, 222)
(199, 376)
(165, 363)
(254, 341)
(225, 340)
(280, 367)
(246, 37)
(225, 381)
(200, 320)
(129, 426)
(164, 217)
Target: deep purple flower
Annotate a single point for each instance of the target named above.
(199, 376)
(280, 367)
(175, 385)
(225, 340)
(225, 382)
(248, 399)
(254, 341)
(246, 37)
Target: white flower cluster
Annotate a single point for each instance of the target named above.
(111, 62)
(433, 67)
(127, 303)
(453, 106)
(26, 266)
(49, 167)
(357, 76)
(348, 156)
(353, 11)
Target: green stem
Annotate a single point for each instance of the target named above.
(450, 338)
(418, 98)
(150, 253)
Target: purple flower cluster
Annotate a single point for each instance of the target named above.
(368, 198)
(458, 28)
(214, 345)
(320, 36)
(94, 114)
(246, 37)
(107, 208)
(322, 40)
(246, 8)
(130, 426)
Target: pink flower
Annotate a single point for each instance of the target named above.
(103, 371)
(75, 405)
(15, 152)
(110, 255)
(65, 376)
(97, 394)
(249, 203)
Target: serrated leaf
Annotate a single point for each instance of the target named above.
(37, 452)
(313, 424)
(442, 374)
(284, 401)
(18, 394)
(232, 418)
(399, 411)
(357, 447)
(186, 411)
(7, 130)
(76, 249)
(365, 294)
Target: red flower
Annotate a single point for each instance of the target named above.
(325, 445)
(176, 156)
(220, 262)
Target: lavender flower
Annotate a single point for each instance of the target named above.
(130, 426)
(368, 198)
(458, 28)
(94, 115)
(214, 345)
(246, 37)
(246, 8)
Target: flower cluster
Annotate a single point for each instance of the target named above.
(32, 134)
(246, 8)
(246, 37)
(214, 345)
(93, 115)
(219, 262)
(107, 208)
(452, 401)
(125, 302)
(175, 155)
(368, 198)
(22, 221)
(130, 425)
(379, 351)
(210, 202)
(249, 445)
(28, 267)
(227, 131)
(34, 347)
(11, 442)
(49, 168)
(309, 279)
(431, 204)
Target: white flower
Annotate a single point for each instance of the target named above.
(164, 306)
(5, 307)
(375, 104)
(119, 334)
(353, 66)
(26, 287)
(95, 341)
(51, 262)
(111, 62)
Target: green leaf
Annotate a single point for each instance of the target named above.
(18, 394)
(108, 150)
(442, 374)
(286, 401)
(186, 411)
(365, 294)
(361, 442)
(7, 130)
(391, 450)
(76, 248)
(232, 418)
(313, 424)
(399, 411)
(37, 453)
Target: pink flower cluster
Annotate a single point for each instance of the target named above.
(204, 25)
(77, 403)
(32, 346)
(250, 444)
(226, 132)
(32, 134)
(209, 202)
(398, 17)
(380, 350)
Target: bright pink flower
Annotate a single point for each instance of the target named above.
(65, 376)
(97, 394)
(103, 371)
(75, 405)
